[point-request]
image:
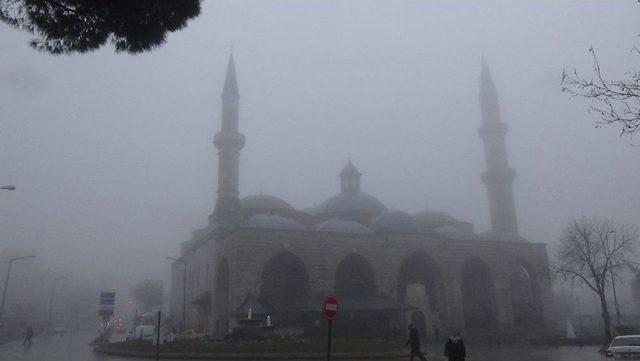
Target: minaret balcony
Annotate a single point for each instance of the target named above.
(229, 141)
(499, 175)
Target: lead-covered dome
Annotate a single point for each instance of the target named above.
(273, 221)
(342, 226)
(351, 201)
(394, 221)
(263, 201)
(431, 220)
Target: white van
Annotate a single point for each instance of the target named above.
(145, 333)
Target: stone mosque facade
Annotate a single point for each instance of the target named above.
(387, 267)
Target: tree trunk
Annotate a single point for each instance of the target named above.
(606, 318)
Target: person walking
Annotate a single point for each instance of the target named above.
(414, 343)
(454, 348)
(28, 336)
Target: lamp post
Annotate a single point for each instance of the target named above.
(6, 281)
(53, 290)
(184, 289)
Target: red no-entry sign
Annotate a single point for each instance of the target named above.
(330, 307)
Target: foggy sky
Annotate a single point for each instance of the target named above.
(113, 154)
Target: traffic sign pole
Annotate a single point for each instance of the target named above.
(330, 312)
(329, 342)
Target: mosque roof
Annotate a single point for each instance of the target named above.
(453, 232)
(394, 221)
(273, 221)
(433, 219)
(343, 226)
(263, 201)
(351, 201)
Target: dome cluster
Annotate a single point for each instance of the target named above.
(350, 211)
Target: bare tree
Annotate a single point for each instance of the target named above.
(595, 253)
(616, 101)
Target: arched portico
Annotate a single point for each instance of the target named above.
(478, 296)
(525, 296)
(420, 285)
(355, 277)
(285, 288)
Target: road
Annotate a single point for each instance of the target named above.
(76, 348)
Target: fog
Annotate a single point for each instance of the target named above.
(113, 154)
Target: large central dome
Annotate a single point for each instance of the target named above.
(351, 201)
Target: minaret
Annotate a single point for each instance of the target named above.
(499, 176)
(350, 178)
(229, 143)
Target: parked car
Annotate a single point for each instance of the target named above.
(624, 347)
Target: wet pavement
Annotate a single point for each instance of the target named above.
(76, 348)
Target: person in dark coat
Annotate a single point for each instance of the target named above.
(454, 348)
(414, 342)
(28, 336)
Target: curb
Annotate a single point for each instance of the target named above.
(252, 356)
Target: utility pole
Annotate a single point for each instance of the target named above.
(184, 289)
(6, 281)
(53, 290)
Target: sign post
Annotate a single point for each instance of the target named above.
(330, 312)
(107, 303)
(158, 337)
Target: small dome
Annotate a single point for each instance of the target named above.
(261, 201)
(453, 232)
(394, 221)
(338, 225)
(273, 221)
(351, 201)
(430, 220)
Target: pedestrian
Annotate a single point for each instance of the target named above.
(454, 348)
(28, 336)
(414, 343)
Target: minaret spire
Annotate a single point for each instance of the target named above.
(229, 143)
(499, 176)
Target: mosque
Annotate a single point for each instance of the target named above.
(387, 268)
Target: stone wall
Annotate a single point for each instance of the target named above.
(246, 252)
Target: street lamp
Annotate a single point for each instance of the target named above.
(6, 281)
(53, 290)
(8, 188)
(184, 289)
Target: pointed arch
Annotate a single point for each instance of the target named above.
(478, 295)
(355, 277)
(285, 283)
(420, 269)
(525, 296)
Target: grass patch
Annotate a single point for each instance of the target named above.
(279, 346)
